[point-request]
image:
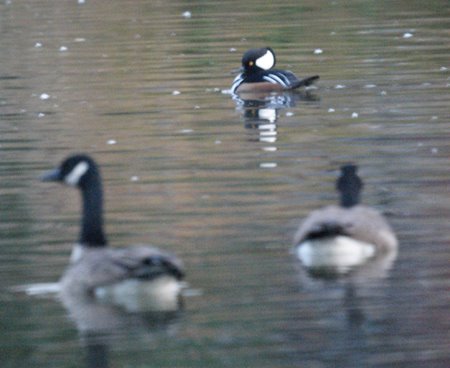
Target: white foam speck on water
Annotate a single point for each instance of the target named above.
(44, 96)
(111, 141)
(318, 51)
(354, 115)
(268, 165)
(41, 289)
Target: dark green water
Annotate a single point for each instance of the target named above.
(192, 173)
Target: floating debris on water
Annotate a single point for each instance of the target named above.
(44, 96)
(63, 48)
(318, 51)
(176, 93)
(407, 35)
(339, 86)
(443, 68)
(187, 14)
(354, 115)
(38, 44)
(38, 289)
(111, 141)
(331, 109)
(41, 115)
(268, 165)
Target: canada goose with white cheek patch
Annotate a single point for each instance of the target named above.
(258, 76)
(138, 278)
(335, 239)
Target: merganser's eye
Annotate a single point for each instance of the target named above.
(250, 63)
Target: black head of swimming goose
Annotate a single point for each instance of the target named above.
(82, 172)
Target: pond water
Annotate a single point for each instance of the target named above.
(186, 167)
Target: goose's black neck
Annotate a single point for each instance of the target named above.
(92, 218)
(349, 185)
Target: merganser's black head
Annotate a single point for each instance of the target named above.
(349, 185)
(75, 171)
(254, 59)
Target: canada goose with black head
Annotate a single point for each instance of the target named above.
(338, 238)
(136, 277)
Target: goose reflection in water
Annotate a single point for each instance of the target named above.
(100, 325)
(348, 247)
(346, 253)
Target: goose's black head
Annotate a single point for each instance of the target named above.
(258, 59)
(349, 184)
(77, 171)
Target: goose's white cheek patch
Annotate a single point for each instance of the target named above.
(77, 172)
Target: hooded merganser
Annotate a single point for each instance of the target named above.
(342, 237)
(258, 74)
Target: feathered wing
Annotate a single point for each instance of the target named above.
(288, 79)
(324, 222)
(360, 223)
(104, 267)
(237, 82)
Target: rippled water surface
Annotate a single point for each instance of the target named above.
(142, 88)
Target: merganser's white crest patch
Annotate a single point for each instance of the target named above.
(77, 172)
(266, 61)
